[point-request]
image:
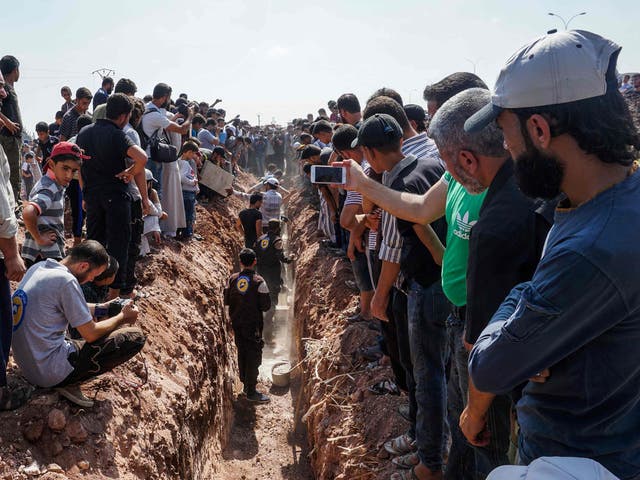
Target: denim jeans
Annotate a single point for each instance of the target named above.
(189, 199)
(427, 312)
(461, 464)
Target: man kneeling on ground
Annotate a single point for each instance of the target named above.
(49, 300)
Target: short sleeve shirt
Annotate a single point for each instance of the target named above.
(206, 139)
(154, 119)
(462, 211)
(47, 300)
(48, 197)
(107, 146)
(11, 110)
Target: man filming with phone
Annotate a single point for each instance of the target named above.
(47, 301)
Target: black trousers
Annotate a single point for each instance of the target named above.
(272, 275)
(74, 192)
(109, 222)
(103, 355)
(249, 344)
(397, 313)
(137, 227)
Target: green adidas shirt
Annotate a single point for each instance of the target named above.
(462, 211)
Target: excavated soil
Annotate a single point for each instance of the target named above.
(347, 424)
(164, 414)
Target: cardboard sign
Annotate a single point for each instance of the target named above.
(216, 178)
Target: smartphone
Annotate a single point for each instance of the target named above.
(325, 174)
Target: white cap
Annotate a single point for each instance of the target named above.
(272, 181)
(556, 68)
(554, 468)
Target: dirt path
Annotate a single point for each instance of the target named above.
(268, 441)
(265, 442)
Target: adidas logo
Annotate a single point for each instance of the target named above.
(463, 226)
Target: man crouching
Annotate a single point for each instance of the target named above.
(49, 300)
(247, 296)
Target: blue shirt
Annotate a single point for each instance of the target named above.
(579, 316)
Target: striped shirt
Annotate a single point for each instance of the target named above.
(353, 197)
(419, 146)
(47, 197)
(271, 203)
(373, 234)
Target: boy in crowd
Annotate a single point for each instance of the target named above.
(49, 300)
(189, 182)
(247, 297)
(28, 173)
(44, 214)
(46, 142)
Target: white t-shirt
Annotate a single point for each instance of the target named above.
(155, 120)
(47, 300)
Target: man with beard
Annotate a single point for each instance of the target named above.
(47, 301)
(504, 248)
(573, 326)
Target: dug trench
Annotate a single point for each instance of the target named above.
(174, 412)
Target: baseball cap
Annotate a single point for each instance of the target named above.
(377, 131)
(148, 176)
(557, 68)
(556, 468)
(415, 112)
(272, 181)
(68, 148)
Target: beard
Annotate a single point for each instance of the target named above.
(470, 184)
(538, 174)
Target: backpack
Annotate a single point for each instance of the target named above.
(160, 147)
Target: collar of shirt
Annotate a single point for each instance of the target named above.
(389, 177)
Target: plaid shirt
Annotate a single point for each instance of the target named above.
(271, 203)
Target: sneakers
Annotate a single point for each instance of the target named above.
(257, 397)
(75, 395)
(12, 398)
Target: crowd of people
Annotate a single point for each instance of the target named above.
(491, 238)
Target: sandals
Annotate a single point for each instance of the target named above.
(406, 462)
(400, 445)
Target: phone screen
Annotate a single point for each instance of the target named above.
(325, 174)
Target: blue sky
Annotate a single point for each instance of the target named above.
(281, 58)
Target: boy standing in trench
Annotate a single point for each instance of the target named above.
(247, 296)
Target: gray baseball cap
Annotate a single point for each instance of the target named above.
(557, 68)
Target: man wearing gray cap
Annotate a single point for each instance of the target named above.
(573, 327)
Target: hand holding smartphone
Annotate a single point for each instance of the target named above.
(323, 174)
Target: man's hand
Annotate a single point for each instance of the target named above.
(12, 127)
(130, 313)
(146, 206)
(379, 305)
(15, 268)
(126, 176)
(355, 174)
(372, 220)
(46, 239)
(164, 216)
(541, 377)
(474, 428)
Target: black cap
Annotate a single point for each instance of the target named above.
(415, 112)
(378, 131)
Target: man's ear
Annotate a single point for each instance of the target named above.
(468, 161)
(539, 131)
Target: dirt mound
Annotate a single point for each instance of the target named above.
(347, 423)
(166, 413)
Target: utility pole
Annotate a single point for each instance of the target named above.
(104, 72)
